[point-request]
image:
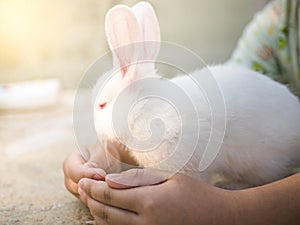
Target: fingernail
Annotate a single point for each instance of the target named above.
(91, 164)
(100, 173)
(117, 181)
(80, 191)
(113, 176)
(97, 177)
(84, 152)
(80, 184)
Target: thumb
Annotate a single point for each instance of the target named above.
(136, 177)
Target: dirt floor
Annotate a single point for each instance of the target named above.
(33, 145)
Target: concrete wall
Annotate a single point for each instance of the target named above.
(61, 38)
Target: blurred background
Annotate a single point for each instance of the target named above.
(61, 38)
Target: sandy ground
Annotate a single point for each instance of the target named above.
(33, 145)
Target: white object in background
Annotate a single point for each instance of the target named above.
(37, 142)
(29, 94)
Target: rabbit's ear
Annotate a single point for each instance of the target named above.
(122, 29)
(150, 31)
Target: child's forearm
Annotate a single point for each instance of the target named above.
(275, 203)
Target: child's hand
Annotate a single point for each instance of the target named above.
(94, 164)
(179, 200)
(185, 200)
(75, 168)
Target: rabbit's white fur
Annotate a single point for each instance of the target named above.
(262, 138)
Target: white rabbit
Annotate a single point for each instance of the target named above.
(262, 136)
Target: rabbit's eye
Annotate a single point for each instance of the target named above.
(102, 105)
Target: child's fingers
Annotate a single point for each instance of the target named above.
(75, 168)
(71, 186)
(136, 177)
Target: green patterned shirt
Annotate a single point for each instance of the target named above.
(270, 43)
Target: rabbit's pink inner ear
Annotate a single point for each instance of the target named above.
(123, 31)
(150, 31)
(152, 41)
(126, 55)
(121, 36)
